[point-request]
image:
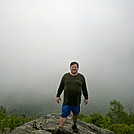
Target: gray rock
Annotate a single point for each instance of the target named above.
(49, 123)
(5, 131)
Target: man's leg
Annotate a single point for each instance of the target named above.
(62, 122)
(64, 115)
(74, 126)
(63, 118)
(75, 110)
(74, 118)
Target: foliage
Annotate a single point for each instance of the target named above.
(97, 119)
(2, 109)
(117, 113)
(81, 116)
(116, 119)
(122, 128)
(12, 121)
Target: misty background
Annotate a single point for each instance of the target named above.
(39, 39)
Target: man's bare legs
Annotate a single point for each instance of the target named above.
(62, 120)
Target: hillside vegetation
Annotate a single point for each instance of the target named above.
(116, 119)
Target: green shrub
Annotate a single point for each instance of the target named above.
(11, 121)
(98, 120)
(122, 128)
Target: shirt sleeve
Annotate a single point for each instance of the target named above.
(84, 89)
(61, 87)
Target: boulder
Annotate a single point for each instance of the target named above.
(49, 123)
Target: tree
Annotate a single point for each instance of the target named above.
(11, 121)
(117, 113)
(2, 109)
(130, 108)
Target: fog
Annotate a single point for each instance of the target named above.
(39, 39)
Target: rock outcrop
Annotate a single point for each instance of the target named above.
(49, 123)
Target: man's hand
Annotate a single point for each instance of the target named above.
(85, 101)
(58, 99)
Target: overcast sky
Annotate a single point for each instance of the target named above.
(39, 38)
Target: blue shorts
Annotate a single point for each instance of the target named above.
(67, 109)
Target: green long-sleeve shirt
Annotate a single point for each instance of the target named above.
(73, 87)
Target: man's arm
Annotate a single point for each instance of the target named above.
(85, 92)
(60, 89)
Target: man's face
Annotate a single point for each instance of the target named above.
(74, 69)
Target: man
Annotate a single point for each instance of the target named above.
(73, 83)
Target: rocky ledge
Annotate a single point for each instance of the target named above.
(49, 123)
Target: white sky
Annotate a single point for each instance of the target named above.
(39, 38)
